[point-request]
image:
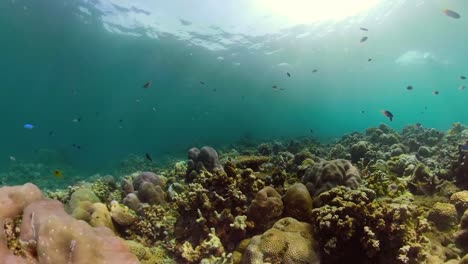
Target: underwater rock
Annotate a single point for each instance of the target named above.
(460, 201)
(297, 202)
(443, 215)
(424, 151)
(328, 174)
(81, 195)
(132, 201)
(264, 149)
(266, 208)
(288, 241)
(397, 150)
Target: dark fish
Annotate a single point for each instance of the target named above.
(363, 29)
(214, 90)
(435, 92)
(76, 146)
(315, 70)
(369, 59)
(282, 89)
(274, 87)
(120, 120)
(311, 131)
(418, 125)
(51, 133)
(363, 111)
(387, 114)
(148, 157)
(363, 39)
(289, 75)
(425, 107)
(462, 77)
(409, 87)
(451, 13)
(147, 85)
(202, 83)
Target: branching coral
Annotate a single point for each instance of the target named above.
(366, 230)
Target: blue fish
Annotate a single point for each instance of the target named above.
(28, 126)
(464, 148)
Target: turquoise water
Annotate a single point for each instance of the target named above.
(62, 60)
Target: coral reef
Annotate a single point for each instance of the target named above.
(297, 202)
(265, 209)
(366, 230)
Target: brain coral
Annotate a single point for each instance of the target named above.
(288, 241)
(325, 175)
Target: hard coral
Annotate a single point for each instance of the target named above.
(328, 174)
(351, 224)
(297, 202)
(266, 208)
(287, 242)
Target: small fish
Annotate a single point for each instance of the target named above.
(363, 111)
(120, 120)
(274, 87)
(462, 77)
(363, 39)
(281, 89)
(451, 13)
(387, 114)
(202, 83)
(418, 125)
(76, 146)
(289, 75)
(12, 158)
(51, 132)
(76, 120)
(242, 97)
(57, 173)
(28, 126)
(409, 88)
(435, 92)
(154, 108)
(315, 70)
(148, 157)
(461, 88)
(464, 148)
(363, 29)
(147, 85)
(137, 100)
(425, 107)
(369, 59)
(311, 131)
(214, 90)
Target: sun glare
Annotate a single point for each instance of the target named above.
(307, 11)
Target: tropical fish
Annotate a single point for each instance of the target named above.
(464, 148)
(147, 85)
(387, 114)
(148, 157)
(435, 92)
(28, 126)
(57, 173)
(363, 29)
(77, 119)
(369, 59)
(409, 88)
(462, 77)
(451, 13)
(363, 39)
(289, 75)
